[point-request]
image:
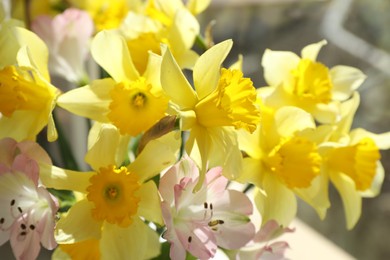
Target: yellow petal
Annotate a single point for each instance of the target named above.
(175, 83)
(138, 241)
(110, 51)
(382, 141)
(103, 152)
(250, 143)
(60, 179)
(157, 155)
(35, 53)
(311, 51)
(278, 65)
(351, 198)
(345, 80)
(277, 203)
(316, 195)
(183, 31)
(289, 120)
(91, 101)
(252, 172)
(207, 68)
(197, 6)
(23, 125)
(152, 72)
(149, 206)
(78, 225)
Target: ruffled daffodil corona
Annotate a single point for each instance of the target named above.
(116, 199)
(130, 101)
(222, 101)
(306, 83)
(283, 161)
(27, 97)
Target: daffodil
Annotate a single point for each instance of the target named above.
(222, 100)
(306, 83)
(108, 221)
(67, 36)
(26, 96)
(130, 101)
(106, 14)
(200, 222)
(168, 22)
(352, 161)
(27, 209)
(282, 161)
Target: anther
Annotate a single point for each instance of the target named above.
(211, 206)
(20, 210)
(205, 205)
(23, 226)
(189, 239)
(23, 233)
(32, 227)
(2, 220)
(12, 202)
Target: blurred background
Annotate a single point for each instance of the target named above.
(358, 35)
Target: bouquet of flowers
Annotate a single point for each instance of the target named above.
(185, 156)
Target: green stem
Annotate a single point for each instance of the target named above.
(201, 43)
(65, 150)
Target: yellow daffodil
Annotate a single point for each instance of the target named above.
(26, 96)
(352, 161)
(283, 161)
(307, 83)
(108, 220)
(107, 14)
(168, 22)
(131, 102)
(222, 100)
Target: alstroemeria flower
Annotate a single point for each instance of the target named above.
(109, 219)
(200, 222)
(130, 101)
(265, 244)
(307, 83)
(283, 160)
(353, 162)
(27, 209)
(26, 96)
(67, 35)
(222, 100)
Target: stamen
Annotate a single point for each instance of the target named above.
(12, 202)
(20, 210)
(23, 226)
(32, 227)
(2, 221)
(189, 239)
(205, 205)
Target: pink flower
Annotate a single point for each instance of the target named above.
(27, 209)
(67, 36)
(263, 246)
(200, 222)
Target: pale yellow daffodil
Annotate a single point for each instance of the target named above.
(352, 161)
(130, 101)
(283, 161)
(307, 83)
(168, 22)
(108, 220)
(222, 100)
(27, 97)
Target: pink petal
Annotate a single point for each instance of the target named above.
(270, 230)
(34, 151)
(28, 166)
(7, 151)
(24, 246)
